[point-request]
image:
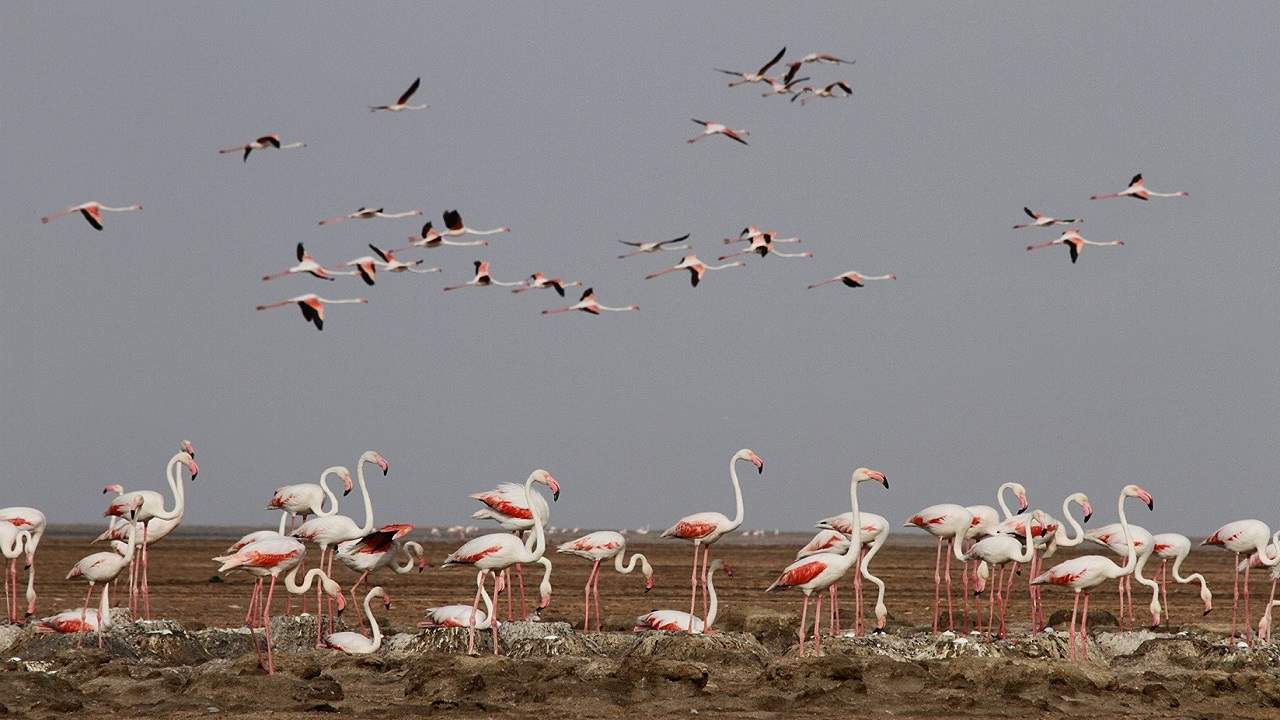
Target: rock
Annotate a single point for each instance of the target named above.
(720, 647)
(1062, 619)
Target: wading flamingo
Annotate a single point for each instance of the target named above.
(1075, 242)
(262, 143)
(1138, 190)
(680, 621)
(312, 306)
(508, 506)
(538, 281)
(753, 77)
(402, 103)
(828, 91)
(34, 522)
(1175, 547)
(353, 643)
(92, 212)
(645, 248)
(714, 128)
(704, 528)
(696, 268)
(588, 304)
(381, 548)
(1086, 572)
(1244, 536)
(598, 547)
(306, 264)
(949, 523)
(1000, 550)
(431, 238)
(103, 567)
(454, 227)
(1040, 221)
(483, 279)
(364, 213)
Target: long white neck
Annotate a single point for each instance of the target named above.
(488, 604)
(539, 539)
(737, 491)
(1061, 536)
(133, 541)
(104, 609)
(373, 624)
(412, 552)
(544, 588)
(1155, 586)
(174, 476)
(324, 486)
(1262, 551)
(631, 566)
(284, 515)
(291, 580)
(1004, 509)
(364, 493)
(1131, 560)
(855, 539)
(715, 603)
(1025, 555)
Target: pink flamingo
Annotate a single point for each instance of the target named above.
(431, 238)
(704, 528)
(118, 530)
(875, 531)
(751, 232)
(783, 86)
(645, 248)
(588, 304)
(1175, 547)
(984, 523)
(949, 523)
(826, 58)
(1000, 550)
(262, 143)
(714, 128)
(91, 211)
(483, 279)
(753, 77)
(1075, 242)
(306, 264)
(696, 268)
(853, 279)
(353, 643)
(828, 91)
(454, 227)
(306, 499)
(312, 306)
(103, 567)
(1138, 190)
(538, 281)
(402, 103)
(507, 506)
(762, 245)
(598, 547)
(822, 571)
(1112, 537)
(367, 266)
(1040, 221)
(680, 621)
(460, 616)
(34, 522)
(1086, 572)
(1048, 535)
(1245, 536)
(364, 213)
(79, 621)
(381, 548)
(13, 542)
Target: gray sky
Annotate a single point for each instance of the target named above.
(1152, 363)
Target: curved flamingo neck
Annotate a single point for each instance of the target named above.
(368, 503)
(21, 539)
(1004, 508)
(1066, 541)
(631, 566)
(324, 486)
(488, 603)
(284, 515)
(544, 588)
(104, 609)
(737, 491)
(172, 474)
(539, 539)
(376, 632)
(290, 580)
(1262, 550)
(412, 551)
(1131, 560)
(715, 602)
(1029, 550)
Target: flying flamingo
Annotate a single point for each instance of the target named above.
(454, 227)
(312, 306)
(381, 548)
(460, 616)
(783, 86)
(306, 264)
(499, 551)
(431, 238)
(262, 143)
(826, 58)
(653, 247)
(403, 102)
(33, 521)
(92, 212)
(1112, 537)
(704, 528)
(1138, 190)
(875, 531)
(587, 304)
(828, 91)
(1086, 572)
(822, 571)
(152, 506)
(1172, 546)
(1245, 536)
(14, 542)
(364, 213)
(103, 567)
(483, 279)
(1040, 221)
(1056, 537)
(367, 266)
(678, 620)
(753, 77)
(751, 232)
(538, 281)
(715, 128)
(598, 547)
(853, 279)
(696, 268)
(508, 506)
(762, 245)
(1000, 550)
(949, 523)
(1075, 242)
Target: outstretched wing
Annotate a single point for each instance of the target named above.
(773, 62)
(453, 219)
(682, 238)
(385, 257)
(1136, 179)
(1032, 215)
(409, 93)
(301, 252)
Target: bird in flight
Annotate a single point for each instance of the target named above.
(755, 77)
(365, 213)
(431, 238)
(1075, 242)
(751, 232)
(262, 143)
(853, 279)
(696, 268)
(306, 264)
(483, 279)
(762, 245)
(454, 226)
(1040, 221)
(783, 86)
(403, 102)
(827, 58)
(367, 267)
(92, 212)
(652, 247)
(715, 128)
(312, 306)
(587, 304)
(538, 281)
(1138, 190)
(824, 92)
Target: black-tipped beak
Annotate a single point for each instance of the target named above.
(1086, 517)
(346, 493)
(1021, 510)
(555, 496)
(1151, 504)
(386, 470)
(760, 469)
(1206, 612)
(886, 482)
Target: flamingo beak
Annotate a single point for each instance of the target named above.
(884, 480)
(346, 484)
(555, 487)
(755, 460)
(422, 564)
(1088, 512)
(382, 463)
(194, 468)
(342, 602)
(1146, 498)
(648, 584)
(1022, 504)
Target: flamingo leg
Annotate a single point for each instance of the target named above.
(1164, 590)
(596, 590)
(1248, 619)
(1235, 597)
(706, 557)
(1084, 627)
(1120, 616)
(858, 625)
(524, 606)
(83, 612)
(471, 622)
(964, 590)
(133, 588)
(1071, 632)
(991, 602)
(493, 626)
(8, 604)
(266, 625)
(817, 621)
(1004, 603)
(831, 620)
(804, 615)
(329, 612)
(100, 619)
(146, 575)
(937, 585)
(586, 598)
(951, 620)
(354, 602)
(1128, 591)
(506, 578)
(693, 597)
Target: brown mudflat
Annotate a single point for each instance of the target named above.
(749, 669)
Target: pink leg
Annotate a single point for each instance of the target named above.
(8, 604)
(1084, 627)
(596, 590)
(253, 600)
(524, 606)
(804, 615)
(493, 626)
(356, 603)
(937, 585)
(951, 620)
(329, 609)
(1071, 633)
(991, 602)
(83, 612)
(831, 619)
(146, 580)
(1164, 590)
(586, 598)
(1004, 603)
(506, 582)
(100, 628)
(964, 590)
(266, 625)
(1120, 616)
(693, 596)
(471, 622)
(1235, 598)
(817, 620)
(1248, 618)
(706, 557)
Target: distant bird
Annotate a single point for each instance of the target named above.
(753, 77)
(306, 264)
(783, 86)
(364, 213)
(1138, 190)
(367, 266)
(262, 143)
(483, 279)
(652, 247)
(1075, 242)
(853, 279)
(403, 102)
(751, 232)
(715, 128)
(454, 226)
(1040, 221)
(538, 281)
(312, 306)
(822, 92)
(92, 212)
(762, 245)
(826, 58)
(587, 304)
(696, 268)
(431, 238)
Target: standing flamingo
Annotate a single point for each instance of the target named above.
(875, 531)
(949, 523)
(1075, 242)
(753, 77)
(365, 213)
(644, 248)
(508, 506)
(1086, 572)
(821, 571)
(103, 567)
(431, 238)
(704, 528)
(265, 558)
(402, 103)
(598, 547)
(680, 621)
(454, 227)
(1172, 546)
(853, 279)
(1112, 537)
(306, 264)
(312, 306)
(1138, 190)
(14, 542)
(306, 499)
(262, 143)
(459, 616)
(91, 211)
(714, 128)
(696, 268)
(33, 521)
(588, 304)
(1000, 550)
(381, 548)
(1056, 538)
(1040, 221)
(984, 523)
(483, 279)
(156, 530)
(538, 281)
(1245, 536)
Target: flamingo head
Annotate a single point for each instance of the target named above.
(190, 462)
(544, 602)
(1021, 493)
(386, 601)
(341, 600)
(346, 481)
(748, 454)
(376, 458)
(186, 447)
(136, 506)
(648, 583)
(116, 488)
(544, 477)
(1083, 501)
(1143, 495)
(864, 474)
(1207, 598)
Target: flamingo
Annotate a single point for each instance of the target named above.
(696, 268)
(826, 58)
(1112, 537)
(103, 567)
(587, 304)
(783, 86)
(14, 542)
(1040, 221)
(78, 621)
(853, 279)
(364, 213)
(875, 531)
(312, 306)
(381, 548)
(270, 557)
(266, 141)
(762, 245)
(431, 238)
(1000, 550)
(751, 232)
(949, 523)
(704, 528)
(117, 530)
(1075, 242)
(507, 505)
(985, 520)
(499, 551)
(92, 212)
(822, 571)
(152, 506)
(644, 248)
(335, 529)
(367, 266)
(306, 264)
(1172, 546)
(538, 281)
(678, 620)
(714, 128)
(454, 227)
(458, 616)
(753, 77)
(1052, 530)
(598, 547)
(1086, 572)
(403, 102)
(34, 522)
(828, 91)
(302, 499)
(1247, 536)
(483, 279)
(1138, 190)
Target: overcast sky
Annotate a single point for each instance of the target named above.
(1153, 363)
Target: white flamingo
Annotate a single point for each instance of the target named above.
(91, 211)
